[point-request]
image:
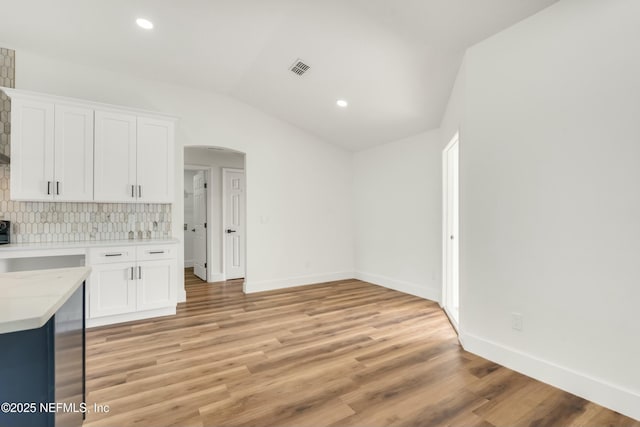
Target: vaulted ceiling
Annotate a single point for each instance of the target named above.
(394, 61)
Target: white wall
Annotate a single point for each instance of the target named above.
(202, 156)
(299, 187)
(550, 203)
(397, 199)
(548, 113)
(452, 120)
(188, 217)
(214, 161)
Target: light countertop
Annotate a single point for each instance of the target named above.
(83, 244)
(28, 299)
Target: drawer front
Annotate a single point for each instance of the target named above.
(152, 252)
(112, 255)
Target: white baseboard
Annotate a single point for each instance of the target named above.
(182, 294)
(269, 285)
(216, 277)
(596, 390)
(119, 318)
(188, 263)
(401, 286)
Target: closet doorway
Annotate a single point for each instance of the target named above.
(451, 245)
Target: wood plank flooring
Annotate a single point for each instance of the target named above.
(344, 353)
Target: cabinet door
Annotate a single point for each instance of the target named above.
(155, 160)
(156, 284)
(115, 157)
(73, 166)
(112, 290)
(32, 125)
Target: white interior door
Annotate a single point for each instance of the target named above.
(233, 223)
(200, 225)
(451, 241)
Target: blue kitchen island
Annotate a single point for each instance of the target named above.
(42, 348)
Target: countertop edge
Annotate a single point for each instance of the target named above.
(86, 244)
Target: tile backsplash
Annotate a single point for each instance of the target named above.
(36, 222)
(7, 79)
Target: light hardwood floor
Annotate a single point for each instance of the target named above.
(343, 353)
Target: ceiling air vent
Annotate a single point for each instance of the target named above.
(299, 67)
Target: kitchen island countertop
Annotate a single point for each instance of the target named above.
(28, 299)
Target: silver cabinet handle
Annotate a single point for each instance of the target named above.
(48, 187)
(131, 273)
(58, 187)
(133, 191)
(114, 254)
(139, 272)
(155, 252)
(139, 191)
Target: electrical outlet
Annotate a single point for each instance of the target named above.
(516, 321)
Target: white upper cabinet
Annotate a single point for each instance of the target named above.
(32, 125)
(134, 160)
(73, 154)
(69, 150)
(155, 160)
(51, 151)
(115, 157)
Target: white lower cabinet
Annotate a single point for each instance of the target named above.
(131, 284)
(112, 290)
(155, 287)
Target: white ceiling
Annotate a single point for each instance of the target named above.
(395, 61)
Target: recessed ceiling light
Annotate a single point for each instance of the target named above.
(144, 23)
(342, 103)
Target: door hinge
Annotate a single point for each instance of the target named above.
(205, 265)
(205, 225)
(205, 185)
